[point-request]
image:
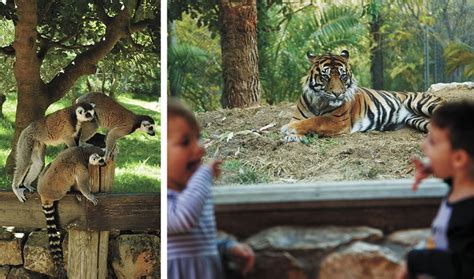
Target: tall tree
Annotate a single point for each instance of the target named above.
(238, 25)
(85, 30)
(373, 9)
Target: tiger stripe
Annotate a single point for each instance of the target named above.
(331, 98)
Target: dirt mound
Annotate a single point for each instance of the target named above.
(249, 142)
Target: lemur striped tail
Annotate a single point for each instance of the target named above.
(54, 236)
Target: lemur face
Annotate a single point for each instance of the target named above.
(147, 127)
(95, 159)
(85, 112)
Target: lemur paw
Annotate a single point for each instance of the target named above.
(30, 188)
(92, 199)
(20, 193)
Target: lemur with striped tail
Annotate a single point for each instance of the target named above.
(116, 119)
(68, 170)
(59, 127)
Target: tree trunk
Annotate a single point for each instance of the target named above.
(34, 96)
(238, 21)
(32, 100)
(3, 98)
(376, 53)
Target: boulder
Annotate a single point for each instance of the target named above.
(10, 245)
(295, 252)
(360, 260)
(5, 234)
(136, 255)
(4, 270)
(410, 238)
(321, 238)
(453, 85)
(37, 256)
(21, 273)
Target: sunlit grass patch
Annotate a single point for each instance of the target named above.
(138, 161)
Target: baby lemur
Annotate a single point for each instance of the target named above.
(58, 127)
(118, 121)
(68, 170)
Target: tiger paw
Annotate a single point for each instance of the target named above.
(290, 134)
(294, 138)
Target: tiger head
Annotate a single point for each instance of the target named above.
(329, 78)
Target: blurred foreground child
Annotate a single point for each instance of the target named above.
(449, 148)
(193, 250)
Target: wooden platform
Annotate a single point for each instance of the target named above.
(114, 211)
(387, 204)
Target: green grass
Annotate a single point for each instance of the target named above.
(241, 173)
(138, 161)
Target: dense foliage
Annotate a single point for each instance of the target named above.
(421, 44)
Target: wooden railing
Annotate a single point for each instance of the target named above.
(386, 204)
(88, 225)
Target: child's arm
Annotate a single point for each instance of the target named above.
(184, 212)
(240, 253)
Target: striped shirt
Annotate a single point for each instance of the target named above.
(192, 245)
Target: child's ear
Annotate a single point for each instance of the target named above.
(461, 160)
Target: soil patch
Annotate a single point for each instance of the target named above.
(250, 143)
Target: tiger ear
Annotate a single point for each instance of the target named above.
(345, 54)
(311, 57)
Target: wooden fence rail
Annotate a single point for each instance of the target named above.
(114, 211)
(387, 204)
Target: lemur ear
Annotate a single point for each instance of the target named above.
(345, 54)
(311, 57)
(93, 105)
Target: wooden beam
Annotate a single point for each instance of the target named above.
(114, 211)
(388, 205)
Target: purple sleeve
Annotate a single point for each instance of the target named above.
(184, 210)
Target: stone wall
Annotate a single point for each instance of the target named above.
(330, 252)
(25, 254)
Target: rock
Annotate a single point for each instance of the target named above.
(360, 260)
(279, 265)
(136, 255)
(410, 237)
(21, 273)
(453, 85)
(4, 270)
(37, 256)
(295, 252)
(11, 250)
(299, 238)
(5, 234)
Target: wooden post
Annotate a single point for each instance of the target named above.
(88, 250)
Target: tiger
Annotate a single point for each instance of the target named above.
(332, 103)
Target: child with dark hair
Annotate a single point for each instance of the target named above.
(193, 249)
(449, 148)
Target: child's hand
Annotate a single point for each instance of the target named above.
(216, 168)
(422, 170)
(244, 257)
(402, 272)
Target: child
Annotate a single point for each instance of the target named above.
(193, 250)
(450, 149)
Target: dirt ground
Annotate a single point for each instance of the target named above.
(250, 143)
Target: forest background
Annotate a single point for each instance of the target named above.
(403, 45)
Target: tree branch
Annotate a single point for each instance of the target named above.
(7, 50)
(102, 14)
(86, 62)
